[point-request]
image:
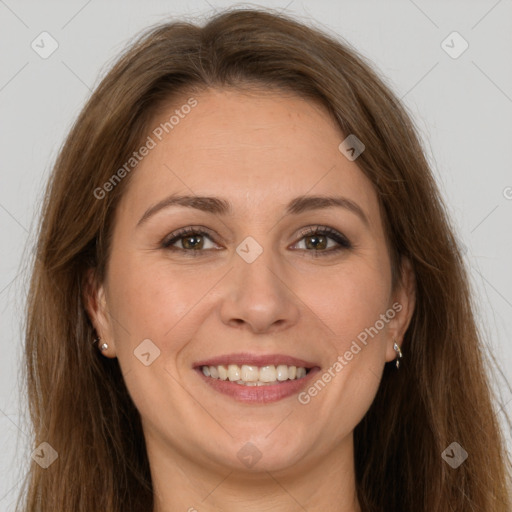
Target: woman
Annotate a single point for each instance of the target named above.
(247, 293)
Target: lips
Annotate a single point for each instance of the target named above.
(256, 378)
(255, 360)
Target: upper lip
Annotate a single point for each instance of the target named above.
(255, 360)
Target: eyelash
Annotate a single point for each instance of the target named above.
(343, 242)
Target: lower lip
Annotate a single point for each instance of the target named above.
(259, 394)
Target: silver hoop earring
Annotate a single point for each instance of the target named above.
(399, 356)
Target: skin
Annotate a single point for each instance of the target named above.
(257, 150)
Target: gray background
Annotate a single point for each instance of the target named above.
(462, 107)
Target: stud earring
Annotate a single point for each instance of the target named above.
(103, 346)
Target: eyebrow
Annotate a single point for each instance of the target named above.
(220, 206)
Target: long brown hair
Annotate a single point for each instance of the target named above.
(77, 398)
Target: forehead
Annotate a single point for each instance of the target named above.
(256, 149)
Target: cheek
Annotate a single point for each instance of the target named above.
(351, 300)
(353, 308)
(151, 300)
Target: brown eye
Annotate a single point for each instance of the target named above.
(323, 240)
(316, 242)
(192, 242)
(189, 240)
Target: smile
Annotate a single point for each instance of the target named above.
(256, 378)
(250, 375)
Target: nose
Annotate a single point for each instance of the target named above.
(258, 296)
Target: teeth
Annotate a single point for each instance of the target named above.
(233, 372)
(282, 372)
(268, 373)
(249, 375)
(223, 372)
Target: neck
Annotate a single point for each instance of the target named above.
(182, 485)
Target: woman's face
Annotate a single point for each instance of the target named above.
(250, 291)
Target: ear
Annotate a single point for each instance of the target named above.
(403, 303)
(95, 302)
